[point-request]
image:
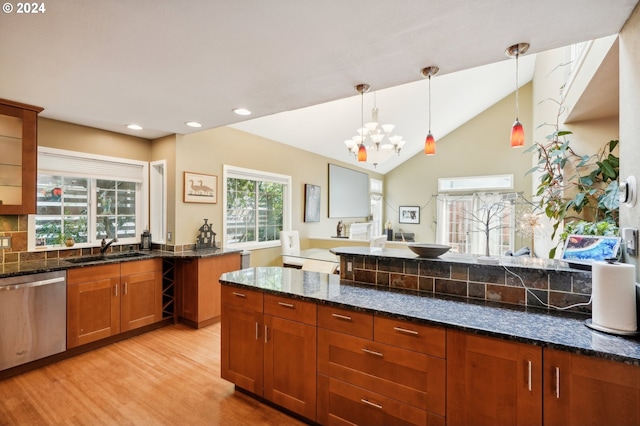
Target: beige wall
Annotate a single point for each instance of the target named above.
(73, 137)
(629, 117)
(207, 152)
(479, 147)
(165, 149)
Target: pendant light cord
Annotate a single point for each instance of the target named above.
(517, 103)
(362, 118)
(429, 103)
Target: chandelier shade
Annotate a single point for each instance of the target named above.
(429, 145)
(374, 142)
(517, 131)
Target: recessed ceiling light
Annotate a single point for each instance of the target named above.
(193, 124)
(242, 111)
(134, 126)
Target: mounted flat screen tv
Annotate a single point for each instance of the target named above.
(348, 192)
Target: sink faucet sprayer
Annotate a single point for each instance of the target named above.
(104, 245)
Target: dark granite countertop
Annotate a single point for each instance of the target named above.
(402, 253)
(529, 325)
(37, 266)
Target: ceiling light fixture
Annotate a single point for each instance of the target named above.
(429, 142)
(374, 151)
(193, 124)
(134, 126)
(241, 111)
(517, 131)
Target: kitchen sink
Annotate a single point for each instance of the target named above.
(107, 257)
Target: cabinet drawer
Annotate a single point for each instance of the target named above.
(415, 337)
(137, 266)
(413, 378)
(240, 297)
(348, 403)
(93, 273)
(292, 309)
(359, 324)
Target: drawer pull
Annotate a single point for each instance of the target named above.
(370, 352)
(371, 404)
(342, 317)
(557, 382)
(405, 331)
(286, 305)
(239, 294)
(529, 368)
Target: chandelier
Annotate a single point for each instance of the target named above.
(374, 142)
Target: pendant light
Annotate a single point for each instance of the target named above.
(362, 150)
(517, 131)
(430, 142)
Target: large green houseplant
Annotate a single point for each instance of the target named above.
(580, 190)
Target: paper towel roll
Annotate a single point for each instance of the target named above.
(614, 296)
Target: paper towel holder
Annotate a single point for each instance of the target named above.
(589, 323)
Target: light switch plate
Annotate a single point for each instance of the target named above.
(630, 239)
(5, 242)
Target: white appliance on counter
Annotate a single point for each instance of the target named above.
(33, 317)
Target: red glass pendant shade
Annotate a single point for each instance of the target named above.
(430, 145)
(517, 135)
(362, 153)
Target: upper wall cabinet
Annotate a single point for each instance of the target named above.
(18, 161)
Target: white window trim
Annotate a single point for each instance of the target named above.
(475, 183)
(229, 171)
(142, 213)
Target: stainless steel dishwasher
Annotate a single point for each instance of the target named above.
(33, 317)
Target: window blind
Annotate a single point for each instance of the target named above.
(67, 163)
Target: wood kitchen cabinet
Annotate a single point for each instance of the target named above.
(492, 381)
(377, 371)
(18, 162)
(105, 300)
(199, 287)
(269, 348)
(582, 390)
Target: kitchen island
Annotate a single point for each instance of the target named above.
(520, 357)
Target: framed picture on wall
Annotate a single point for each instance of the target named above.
(409, 214)
(311, 203)
(200, 188)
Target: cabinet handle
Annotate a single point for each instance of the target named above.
(115, 290)
(257, 330)
(286, 305)
(370, 352)
(342, 317)
(529, 367)
(405, 331)
(124, 288)
(239, 294)
(266, 334)
(558, 382)
(372, 404)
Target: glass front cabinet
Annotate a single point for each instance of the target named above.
(18, 157)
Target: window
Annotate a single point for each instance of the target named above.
(463, 221)
(377, 202)
(87, 198)
(257, 207)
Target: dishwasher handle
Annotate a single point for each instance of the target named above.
(31, 284)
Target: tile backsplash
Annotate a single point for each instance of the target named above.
(491, 283)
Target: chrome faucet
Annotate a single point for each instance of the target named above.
(104, 245)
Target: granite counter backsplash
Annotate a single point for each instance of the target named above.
(564, 331)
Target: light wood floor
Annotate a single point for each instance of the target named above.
(170, 376)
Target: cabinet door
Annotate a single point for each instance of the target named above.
(209, 271)
(492, 381)
(18, 170)
(242, 348)
(582, 390)
(188, 289)
(290, 365)
(93, 304)
(141, 293)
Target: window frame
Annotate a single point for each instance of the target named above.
(229, 171)
(89, 160)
